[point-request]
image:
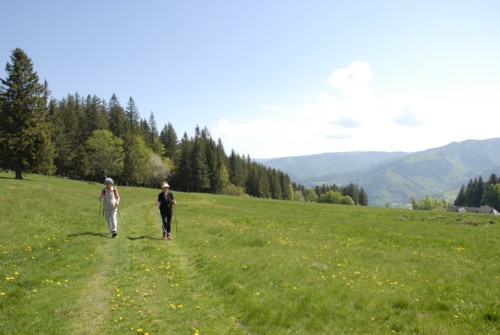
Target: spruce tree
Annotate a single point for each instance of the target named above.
(169, 140)
(95, 117)
(25, 133)
(237, 173)
(133, 115)
(183, 178)
(117, 119)
(68, 135)
(153, 139)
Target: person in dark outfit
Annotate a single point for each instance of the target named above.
(166, 202)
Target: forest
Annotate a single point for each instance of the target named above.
(89, 138)
(479, 193)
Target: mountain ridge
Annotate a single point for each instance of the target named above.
(393, 177)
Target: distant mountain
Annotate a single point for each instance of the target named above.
(393, 177)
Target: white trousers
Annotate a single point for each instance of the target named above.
(110, 215)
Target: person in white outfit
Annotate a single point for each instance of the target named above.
(111, 199)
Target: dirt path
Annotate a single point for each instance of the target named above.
(93, 302)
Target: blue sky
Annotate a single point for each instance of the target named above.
(277, 78)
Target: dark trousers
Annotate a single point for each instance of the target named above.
(166, 220)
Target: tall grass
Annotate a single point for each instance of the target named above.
(239, 266)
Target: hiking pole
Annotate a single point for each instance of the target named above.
(176, 229)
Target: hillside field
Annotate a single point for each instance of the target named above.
(239, 265)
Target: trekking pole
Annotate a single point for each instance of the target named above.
(176, 228)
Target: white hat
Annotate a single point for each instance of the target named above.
(109, 181)
(165, 184)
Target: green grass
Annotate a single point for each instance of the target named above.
(239, 265)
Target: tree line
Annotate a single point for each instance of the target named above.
(479, 193)
(351, 194)
(89, 138)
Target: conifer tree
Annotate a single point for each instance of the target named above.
(492, 196)
(460, 200)
(95, 117)
(68, 136)
(168, 138)
(137, 161)
(363, 197)
(237, 174)
(153, 139)
(199, 169)
(286, 186)
(117, 118)
(133, 116)
(183, 178)
(25, 133)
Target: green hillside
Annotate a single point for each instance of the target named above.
(239, 265)
(393, 178)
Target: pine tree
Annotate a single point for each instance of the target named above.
(183, 178)
(117, 118)
(286, 186)
(492, 196)
(133, 116)
(237, 174)
(493, 179)
(154, 138)
(168, 138)
(460, 200)
(352, 191)
(67, 119)
(198, 161)
(137, 161)
(363, 197)
(95, 117)
(274, 183)
(25, 133)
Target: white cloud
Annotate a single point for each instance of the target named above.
(353, 80)
(407, 118)
(358, 120)
(347, 122)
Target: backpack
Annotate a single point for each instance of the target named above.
(115, 191)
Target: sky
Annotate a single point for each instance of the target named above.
(277, 78)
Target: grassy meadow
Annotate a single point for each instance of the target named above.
(239, 265)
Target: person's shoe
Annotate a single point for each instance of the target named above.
(114, 234)
(169, 237)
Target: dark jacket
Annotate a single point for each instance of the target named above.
(165, 202)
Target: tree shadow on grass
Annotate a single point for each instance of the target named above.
(14, 178)
(89, 233)
(144, 237)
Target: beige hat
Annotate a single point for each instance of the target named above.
(164, 185)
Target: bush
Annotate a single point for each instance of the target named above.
(232, 189)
